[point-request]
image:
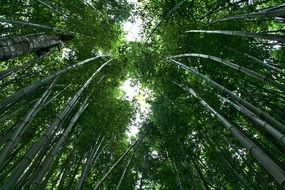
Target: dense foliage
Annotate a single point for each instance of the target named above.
(214, 71)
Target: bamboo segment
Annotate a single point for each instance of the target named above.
(272, 37)
(123, 174)
(278, 11)
(268, 66)
(8, 72)
(25, 23)
(48, 161)
(9, 145)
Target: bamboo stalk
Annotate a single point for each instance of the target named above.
(232, 65)
(276, 124)
(278, 11)
(28, 89)
(272, 37)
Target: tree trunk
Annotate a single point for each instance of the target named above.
(21, 45)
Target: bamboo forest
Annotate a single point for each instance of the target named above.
(142, 94)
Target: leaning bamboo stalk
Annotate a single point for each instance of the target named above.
(268, 66)
(232, 65)
(26, 23)
(278, 11)
(123, 174)
(272, 37)
(270, 165)
(116, 163)
(8, 72)
(279, 137)
(49, 6)
(28, 89)
(273, 122)
(35, 25)
(88, 165)
(66, 168)
(47, 135)
(9, 144)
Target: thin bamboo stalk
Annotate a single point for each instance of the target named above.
(116, 163)
(272, 37)
(278, 11)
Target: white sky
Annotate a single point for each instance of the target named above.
(133, 28)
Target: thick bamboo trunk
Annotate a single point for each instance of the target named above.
(265, 116)
(28, 89)
(242, 69)
(272, 37)
(21, 45)
(270, 165)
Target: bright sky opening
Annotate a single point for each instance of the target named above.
(137, 96)
(133, 27)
